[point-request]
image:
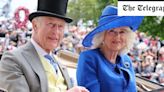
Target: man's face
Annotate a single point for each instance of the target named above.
(48, 32)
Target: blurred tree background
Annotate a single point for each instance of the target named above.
(91, 10)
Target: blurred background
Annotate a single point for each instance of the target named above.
(147, 54)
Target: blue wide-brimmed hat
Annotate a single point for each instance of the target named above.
(109, 20)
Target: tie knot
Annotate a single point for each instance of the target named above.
(52, 62)
(48, 57)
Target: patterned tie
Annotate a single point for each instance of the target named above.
(52, 62)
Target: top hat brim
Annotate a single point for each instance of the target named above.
(44, 13)
(130, 21)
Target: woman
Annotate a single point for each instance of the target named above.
(107, 67)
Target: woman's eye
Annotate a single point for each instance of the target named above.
(111, 31)
(122, 32)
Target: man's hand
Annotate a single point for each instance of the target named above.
(78, 89)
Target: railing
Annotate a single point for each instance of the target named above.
(145, 85)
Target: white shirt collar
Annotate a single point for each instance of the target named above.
(39, 49)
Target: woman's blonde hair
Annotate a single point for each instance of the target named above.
(131, 36)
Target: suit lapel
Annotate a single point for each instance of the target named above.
(33, 59)
(64, 73)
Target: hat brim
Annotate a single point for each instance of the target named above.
(44, 13)
(131, 21)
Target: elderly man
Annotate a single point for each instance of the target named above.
(32, 67)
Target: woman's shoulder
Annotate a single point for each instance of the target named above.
(89, 58)
(91, 55)
(90, 52)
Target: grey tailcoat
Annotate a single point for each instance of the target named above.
(22, 71)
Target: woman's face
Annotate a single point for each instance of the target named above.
(115, 39)
(49, 32)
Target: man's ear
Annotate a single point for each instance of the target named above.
(34, 24)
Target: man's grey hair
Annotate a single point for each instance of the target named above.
(131, 36)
